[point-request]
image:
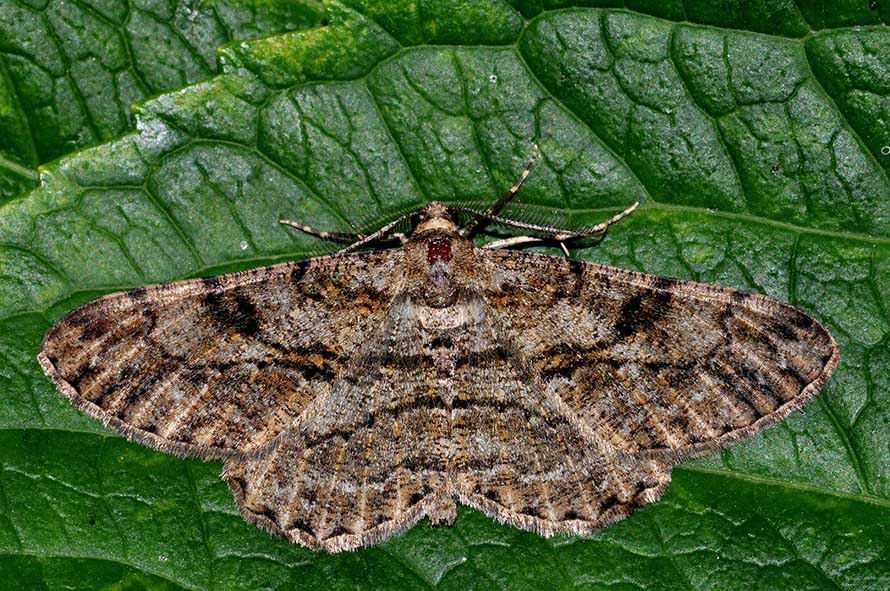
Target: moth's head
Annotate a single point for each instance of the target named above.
(435, 216)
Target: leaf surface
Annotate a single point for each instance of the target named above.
(69, 71)
(754, 145)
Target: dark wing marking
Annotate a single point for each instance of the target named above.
(368, 460)
(218, 366)
(658, 367)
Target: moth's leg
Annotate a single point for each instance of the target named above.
(476, 224)
(517, 240)
(513, 241)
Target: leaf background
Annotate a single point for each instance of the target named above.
(70, 70)
(751, 133)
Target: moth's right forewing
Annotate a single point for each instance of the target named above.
(217, 367)
(659, 367)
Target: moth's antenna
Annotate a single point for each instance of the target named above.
(378, 234)
(555, 234)
(477, 223)
(356, 239)
(322, 233)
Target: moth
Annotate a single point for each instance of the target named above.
(351, 395)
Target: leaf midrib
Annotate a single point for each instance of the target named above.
(17, 168)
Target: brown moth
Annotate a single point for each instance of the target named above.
(351, 395)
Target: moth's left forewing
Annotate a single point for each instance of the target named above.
(217, 367)
(659, 367)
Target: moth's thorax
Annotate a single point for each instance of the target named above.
(442, 264)
(438, 249)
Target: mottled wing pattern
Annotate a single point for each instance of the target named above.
(519, 456)
(658, 368)
(369, 459)
(219, 366)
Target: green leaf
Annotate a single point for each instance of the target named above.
(754, 145)
(69, 71)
